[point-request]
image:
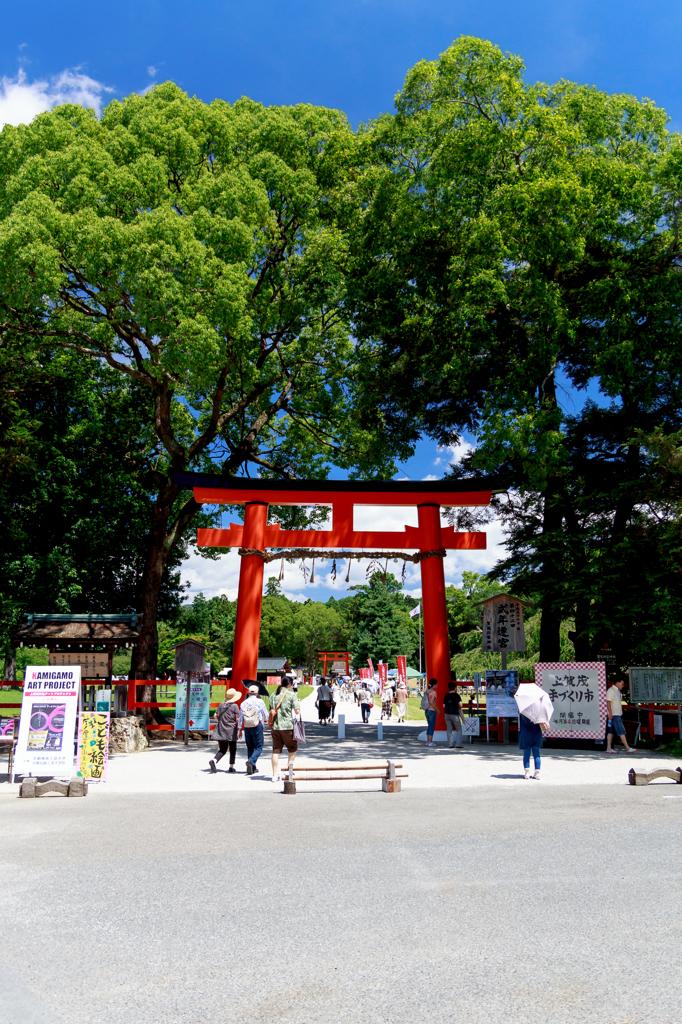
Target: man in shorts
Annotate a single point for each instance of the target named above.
(285, 704)
(614, 720)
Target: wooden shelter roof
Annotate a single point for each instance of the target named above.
(86, 630)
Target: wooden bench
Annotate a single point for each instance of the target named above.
(644, 778)
(390, 773)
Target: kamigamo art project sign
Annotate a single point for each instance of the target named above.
(47, 726)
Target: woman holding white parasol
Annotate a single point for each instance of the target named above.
(535, 711)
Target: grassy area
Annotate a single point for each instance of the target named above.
(12, 696)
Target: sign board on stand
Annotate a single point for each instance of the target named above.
(655, 685)
(93, 745)
(578, 692)
(48, 721)
(199, 700)
(273, 680)
(500, 687)
(471, 727)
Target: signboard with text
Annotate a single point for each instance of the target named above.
(500, 687)
(402, 670)
(578, 692)
(503, 624)
(47, 726)
(655, 685)
(199, 700)
(93, 745)
(93, 664)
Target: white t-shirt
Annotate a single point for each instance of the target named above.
(613, 694)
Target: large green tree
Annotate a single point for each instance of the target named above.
(194, 249)
(74, 508)
(509, 237)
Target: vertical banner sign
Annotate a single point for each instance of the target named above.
(371, 668)
(402, 670)
(48, 721)
(365, 673)
(578, 692)
(383, 675)
(199, 700)
(503, 624)
(93, 745)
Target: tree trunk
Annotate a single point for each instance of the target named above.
(10, 670)
(550, 622)
(144, 663)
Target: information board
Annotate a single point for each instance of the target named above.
(47, 726)
(656, 685)
(93, 745)
(94, 665)
(199, 700)
(578, 692)
(500, 687)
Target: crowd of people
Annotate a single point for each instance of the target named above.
(282, 714)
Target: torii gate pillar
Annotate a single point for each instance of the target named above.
(436, 642)
(250, 596)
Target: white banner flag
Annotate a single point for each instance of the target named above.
(415, 611)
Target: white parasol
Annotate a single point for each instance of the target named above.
(534, 703)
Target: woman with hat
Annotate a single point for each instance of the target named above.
(227, 719)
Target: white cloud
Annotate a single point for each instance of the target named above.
(151, 71)
(21, 100)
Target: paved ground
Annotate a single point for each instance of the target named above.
(475, 896)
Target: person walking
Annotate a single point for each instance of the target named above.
(387, 702)
(284, 706)
(401, 701)
(227, 718)
(430, 709)
(252, 717)
(335, 698)
(614, 721)
(365, 702)
(454, 718)
(323, 702)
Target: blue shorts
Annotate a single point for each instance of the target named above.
(615, 725)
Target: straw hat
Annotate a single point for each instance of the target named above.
(232, 696)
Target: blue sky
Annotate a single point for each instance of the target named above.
(347, 54)
(350, 54)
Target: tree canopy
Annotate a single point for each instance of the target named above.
(193, 249)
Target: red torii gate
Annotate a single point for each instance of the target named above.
(254, 536)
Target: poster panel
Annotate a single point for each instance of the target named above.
(471, 727)
(6, 728)
(500, 687)
(578, 692)
(93, 745)
(273, 681)
(48, 721)
(402, 669)
(199, 700)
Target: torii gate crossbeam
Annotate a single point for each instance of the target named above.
(429, 538)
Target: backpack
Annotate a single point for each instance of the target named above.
(251, 717)
(425, 705)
